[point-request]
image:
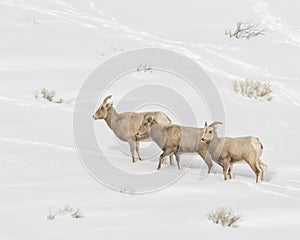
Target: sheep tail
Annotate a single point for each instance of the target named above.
(262, 147)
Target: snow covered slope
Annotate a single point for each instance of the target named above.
(57, 43)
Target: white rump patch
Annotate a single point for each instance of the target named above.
(256, 145)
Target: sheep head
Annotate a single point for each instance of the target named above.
(145, 127)
(102, 111)
(209, 132)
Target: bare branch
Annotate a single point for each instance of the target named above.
(245, 30)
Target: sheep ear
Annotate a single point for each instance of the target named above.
(106, 99)
(108, 105)
(205, 124)
(150, 119)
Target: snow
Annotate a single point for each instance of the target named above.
(57, 43)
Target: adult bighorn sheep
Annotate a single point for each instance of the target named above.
(126, 125)
(227, 151)
(175, 139)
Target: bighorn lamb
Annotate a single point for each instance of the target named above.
(175, 139)
(227, 151)
(126, 125)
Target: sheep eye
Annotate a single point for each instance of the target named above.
(210, 131)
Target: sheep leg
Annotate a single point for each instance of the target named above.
(263, 168)
(177, 160)
(256, 169)
(209, 163)
(207, 159)
(137, 149)
(171, 159)
(161, 159)
(226, 164)
(230, 171)
(166, 153)
(132, 145)
(259, 173)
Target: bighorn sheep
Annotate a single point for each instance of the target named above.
(126, 125)
(226, 151)
(175, 139)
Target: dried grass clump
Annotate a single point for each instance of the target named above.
(224, 216)
(144, 67)
(253, 89)
(48, 95)
(65, 211)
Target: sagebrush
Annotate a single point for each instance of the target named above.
(224, 216)
(144, 67)
(48, 95)
(65, 211)
(253, 89)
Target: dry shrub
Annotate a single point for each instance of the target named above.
(65, 211)
(253, 89)
(48, 95)
(144, 67)
(224, 216)
(245, 30)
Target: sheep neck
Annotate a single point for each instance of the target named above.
(112, 115)
(214, 146)
(215, 139)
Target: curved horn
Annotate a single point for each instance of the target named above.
(106, 99)
(214, 124)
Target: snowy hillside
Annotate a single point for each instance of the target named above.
(56, 44)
